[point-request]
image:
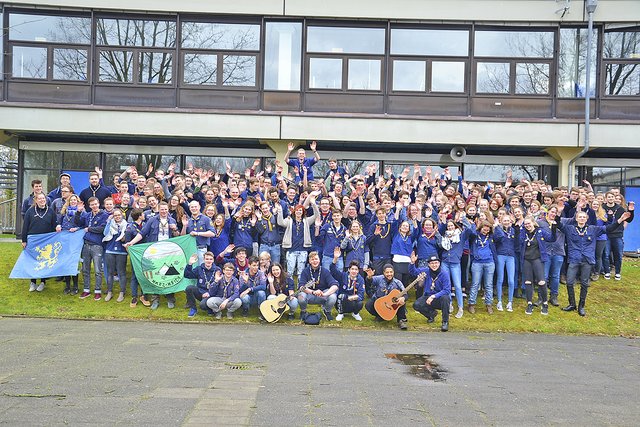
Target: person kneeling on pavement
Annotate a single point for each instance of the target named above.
(205, 280)
(437, 292)
(225, 293)
(382, 285)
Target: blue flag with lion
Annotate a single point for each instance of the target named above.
(49, 255)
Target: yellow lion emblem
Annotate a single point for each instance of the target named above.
(47, 255)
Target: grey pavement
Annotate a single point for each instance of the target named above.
(57, 372)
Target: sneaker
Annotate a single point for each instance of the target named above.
(595, 277)
(444, 327)
(84, 294)
(489, 309)
(509, 307)
(402, 324)
(617, 278)
(134, 302)
(155, 304)
(339, 317)
(108, 297)
(40, 287)
(245, 312)
(291, 316)
(450, 307)
(499, 306)
(218, 315)
(529, 309)
(192, 312)
(357, 316)
(327, 315)
(607, 276)
(97, 296)
(32, 287)
(229, 315)
(545, 309)
(66, 291)
(144, 301)
(74, 291)
(460, 313)
(171, 304)
(120, 297)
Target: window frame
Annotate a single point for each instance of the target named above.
(605, 63)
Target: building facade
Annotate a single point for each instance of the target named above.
(90, 82)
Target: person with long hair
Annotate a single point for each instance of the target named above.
(483, 253)
(350, 288)
(614, 236)
(115, 254)
(279, 282)
(428, 242)
(504, 236)
(354, 245)
(557, 254)
(220, 240)
(600, 219)
(67, 222)
(452, 244)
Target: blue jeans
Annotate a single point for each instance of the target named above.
(327, 303)
(455, 272)
(328, 260)
(296, 261)
(617, 245)
(273, 250)
(482, 271)
(92, 253)
(510, 263)
(253, 299)
(552, 272)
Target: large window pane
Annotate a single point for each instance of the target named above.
(622, 79)
(498, 173)
(218, 164)
(514, 44)
(201, 35)
(133, 32)
(42, 159)
(75, 160)
(42, 28)
(353, 167)
(282, 56)
(200, 69)
(447, 76)
(120, 162)
(30, 62)
(621, 44)
(364, 74)
(238, 70)
(49, 180)
(116, 66)
(155, 67)
(436, 171)
(70, 64)
(492, 77)
(429, 42)
(325, 73)
(572, 63)
(346, 40)
(532, 79)
(409, 75)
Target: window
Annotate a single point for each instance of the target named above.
(118, 163)
(344, 58)
(48, 47)
(423, 60)
(513, 62)
(218, 164)
(572, 62)
(283, 57)
(498, 173)
(135, 51)
(220, 54)
(621, 54)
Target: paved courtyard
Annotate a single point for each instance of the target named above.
(56, 372)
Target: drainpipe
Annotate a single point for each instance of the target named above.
(590, 5)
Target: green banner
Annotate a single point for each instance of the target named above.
(159, 266)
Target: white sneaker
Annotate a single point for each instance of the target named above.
(499, 306)
(617, 277)
(339, 317)
(450, 307)
(40, 287)
(32, 287)
(459, 313)
(356, 316)
(509, 307)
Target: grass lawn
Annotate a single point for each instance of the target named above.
(612, 308)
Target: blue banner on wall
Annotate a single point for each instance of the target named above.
(49, 255)
(632, 232)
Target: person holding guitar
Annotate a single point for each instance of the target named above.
(281, 284)
(351, 291)
(437, 291)
(382, 285)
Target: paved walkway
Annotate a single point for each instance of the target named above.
(56, 372)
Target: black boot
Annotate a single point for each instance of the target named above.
(583, 300)
(572, 299)
(67, 285)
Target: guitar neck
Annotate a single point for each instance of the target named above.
(411, 285)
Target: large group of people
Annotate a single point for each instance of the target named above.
(340, 241)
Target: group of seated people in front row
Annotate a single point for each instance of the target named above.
(331, 241)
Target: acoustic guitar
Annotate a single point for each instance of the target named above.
(273, 309)
(387, 306)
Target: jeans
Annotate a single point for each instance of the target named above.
(455, 273)
(193, 293)
(134, 282)
(328, 260)
(429, 310)
(482, 272)
(253, 299)
(273, 250)
(508, 262)
(606, 258)
(601, 246)
(92, 253)
(617, 245)
(552, 272)
(214, 304)
(581, 271)
(200, 253)
(327, 303)
(116, 263)
(347, 306)
(291, 302)
(296, 261)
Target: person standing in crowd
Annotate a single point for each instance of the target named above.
(330, 236)
(36, 188)
(483, 253)
(199, 226)
(268, 232)
(64, 180)
(505, 240)
(115, 254)
(134, 228)
(614, 235)
(302, 163)
(67, 222)
(557, 254)
(38, 219)
(94, 222)
(95, 189)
